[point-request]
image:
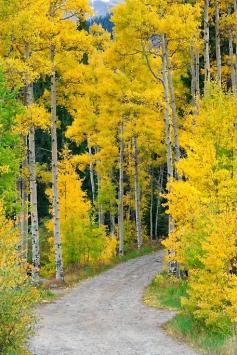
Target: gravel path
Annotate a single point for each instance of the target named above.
(105, 316)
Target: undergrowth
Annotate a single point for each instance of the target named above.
(166, 292)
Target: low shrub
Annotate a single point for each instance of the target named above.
(17, 295)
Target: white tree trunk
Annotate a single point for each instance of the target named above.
(24, 215)
(195, 89)
(151, 205)
(218, 41)
(235, 11)
(92, 176)
(193, 78)
(173, 105)
(121, 192)
(100, 205)
(160, 187)
(101, 215)
(207, 67)
(112, 223)
(232, 65)
(33, 183)
(197, 74)
(173, 265)
(137, 194)
(56, 211)
(33, 206)
(168, 124)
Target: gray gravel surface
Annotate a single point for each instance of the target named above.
(105, 316)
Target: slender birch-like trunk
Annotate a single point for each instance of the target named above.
(231, 55)
(24, 215)
(54, 142)
(33, 206)
(193, 78)
(157, 216)
(218, 41)
(172, 105)
(101, 217)
(207, 67)
(33, 183)
(173, 265)
(235, 11)
(168, 124)
(197, 73)
(151, 204)
(195, 84)
(111, 212)
(121, 192)
(160, 186)
(137, 194)
(112, 223)
(92, 175)
(24, 220)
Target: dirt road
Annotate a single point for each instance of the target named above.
(105, 316)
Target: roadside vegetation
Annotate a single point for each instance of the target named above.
(167, 292)
(76, 273)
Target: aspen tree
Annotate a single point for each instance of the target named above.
(207, 66)
(173, 106)
(112, 223)
(197, 75)
(92, 175)
(193, 75)
(88, 109)
(195, 78)
(205, 235)
(33, 183)
(120, 95)
(218, 41)
(56, 213)
(231, 55)
(173, 266)
(33, 193)
(82, 241)
(25, 40)
(60, 22)
(100, 204)
(159, 23)
(151, 202)
(121, 191)
(170, 167)
(54, 147)
(137, 194)
(24, 225)
(158, 203)
(235, 13)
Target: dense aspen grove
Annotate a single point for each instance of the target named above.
(109, 140)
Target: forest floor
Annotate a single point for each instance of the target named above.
(105, 315)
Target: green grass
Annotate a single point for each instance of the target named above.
(166, 292)
(46, 295)
(208, 340)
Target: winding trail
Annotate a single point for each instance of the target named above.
(105, 316)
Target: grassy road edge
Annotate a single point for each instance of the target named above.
(166, 292)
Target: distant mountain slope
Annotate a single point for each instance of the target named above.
(101, 8)
(104, 21)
